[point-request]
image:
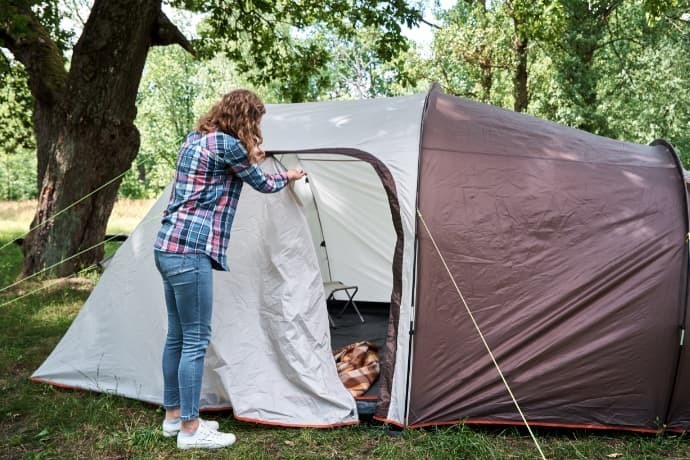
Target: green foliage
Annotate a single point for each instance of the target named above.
(615, 74)
(354, 69)
(293, 74)
(49, 13)
(18, 175)
(473, 52)
(577, 33)
(17, 144)
(260, 37)
(657, 8)
(482, 46)
(175, 90)
(259, 45)
(273, 46)
(646, 87)
(17, 140)
(602, 66)
(165, 114)
(16, 106)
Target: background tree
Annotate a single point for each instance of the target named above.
(610, 67)
(483, 50)
(471, 49)
(527, 19)
(576, 33)
(646, 79)
(84, 116)
(355, 70)
(175, 90)
(601, 59)
(17, 146)
(165, 112)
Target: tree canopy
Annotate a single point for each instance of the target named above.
(614, 68)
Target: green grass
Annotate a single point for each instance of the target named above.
(41, 421)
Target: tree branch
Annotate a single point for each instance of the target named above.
(620, 58)
(22, 33)
(75, 9)
(166, 33)
(672, 20)
(430, 24)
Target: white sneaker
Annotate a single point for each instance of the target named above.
(204, 438)
(172, 427)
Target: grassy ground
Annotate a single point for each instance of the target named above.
(41, 421)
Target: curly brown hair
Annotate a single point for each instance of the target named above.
(238, 113)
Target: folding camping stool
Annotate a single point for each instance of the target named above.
(331, 287)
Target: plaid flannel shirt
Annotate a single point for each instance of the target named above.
(210, 171)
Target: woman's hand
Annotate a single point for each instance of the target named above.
(295, 174)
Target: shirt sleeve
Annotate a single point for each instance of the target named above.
(233, 154)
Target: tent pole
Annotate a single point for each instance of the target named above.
(684, 295)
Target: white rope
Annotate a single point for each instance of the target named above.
(481, 336)
(34, 275)
(49, 285)
(52, 218)
(112, 237)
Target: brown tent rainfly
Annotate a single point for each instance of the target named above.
(569, 249)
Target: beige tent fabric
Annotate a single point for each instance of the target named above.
(115, 343)
(270, 354)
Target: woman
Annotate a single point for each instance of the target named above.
(214, 161)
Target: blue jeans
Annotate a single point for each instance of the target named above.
(188, 286)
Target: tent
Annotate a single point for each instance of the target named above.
(569, 249)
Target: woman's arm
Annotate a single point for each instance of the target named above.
(234, 155)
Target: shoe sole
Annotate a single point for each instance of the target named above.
(204, 447)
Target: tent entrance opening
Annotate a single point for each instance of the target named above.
(352, 230)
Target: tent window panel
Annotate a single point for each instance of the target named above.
(355, 222)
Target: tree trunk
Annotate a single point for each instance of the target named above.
(518, 16)
(88, 137)
(486, 70)
(44, 128)
(520, 76)
(84, 153)
(486, 77)
(84, 122)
